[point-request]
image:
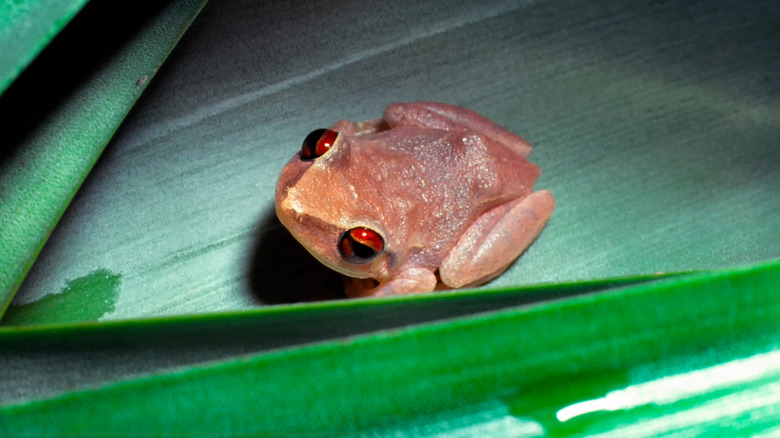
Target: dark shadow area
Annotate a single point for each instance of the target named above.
(282, 271)
(83, 48)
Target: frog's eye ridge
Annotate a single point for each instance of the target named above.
(317, 143)
(361, 245)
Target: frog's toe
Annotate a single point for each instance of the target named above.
(410, 281)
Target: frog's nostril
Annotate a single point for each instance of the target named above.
(317, 143)
(361, 245)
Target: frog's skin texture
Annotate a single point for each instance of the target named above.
(444, 193)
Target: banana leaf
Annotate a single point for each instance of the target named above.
(696, 354)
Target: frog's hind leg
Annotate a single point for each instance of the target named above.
(496, 239)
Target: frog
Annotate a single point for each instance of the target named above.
(431, 196)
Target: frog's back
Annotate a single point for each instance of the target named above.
(453, 118)
(448, 170)
(460, 157)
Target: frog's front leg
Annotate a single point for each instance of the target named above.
(496, 239)
(412, 280)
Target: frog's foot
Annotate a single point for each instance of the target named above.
(406, 282)
(453, 118)
(496, 239)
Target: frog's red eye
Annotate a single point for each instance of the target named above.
(361, 245)
(317, 143)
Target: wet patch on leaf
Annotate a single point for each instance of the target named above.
(85, 298)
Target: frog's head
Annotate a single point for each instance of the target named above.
(325, 202)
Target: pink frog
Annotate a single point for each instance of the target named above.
(430, 196)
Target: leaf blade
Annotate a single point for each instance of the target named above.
(388, 380)
(54, 144)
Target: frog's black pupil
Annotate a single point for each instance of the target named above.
(362, 252)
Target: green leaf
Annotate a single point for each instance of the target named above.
(655, 126)
(26, 27)
(100, 288)
(509, 371)
(60, 114)
(118, 350)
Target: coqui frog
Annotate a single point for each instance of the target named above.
(430, 196)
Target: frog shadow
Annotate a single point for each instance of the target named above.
(281, 271)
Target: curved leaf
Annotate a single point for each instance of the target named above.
(514, 369)
(655, 126)
(26, 27)
(116, 350)
(56, 124)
